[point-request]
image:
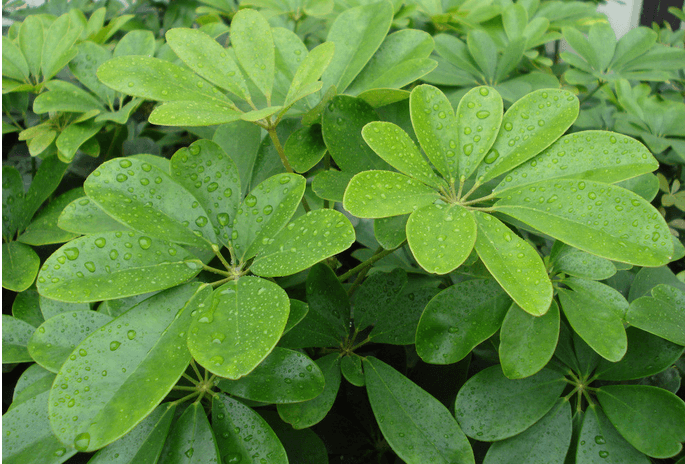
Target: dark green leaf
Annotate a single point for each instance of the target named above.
(191, 439)
(331, 184)
(351, 369)
(31, 383)
(305, 148)
(26, 307)
(83, 216)
(15, 338)
(43, 229)
(390, 232)
(661, 315)
(19, 266)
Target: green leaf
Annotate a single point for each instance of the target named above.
(31, 35)
(83, 216)
(375, 194)
(527, 343)
(633, 44)
(74, 136)
(357, 33)
(114, 265)
(546, 441)
(599, 442)
(603, 295)
(14, 212)
(116, 308)
(58, 45)
(194, 113)
(649, 418)
(441, 237)
(342, 123)
(19, 266)
(26, 307)
(383, 97)
(142, 444)
(14, 64)
(304, 242)
(264, 212)
(661, 314)
(56, 338)
(31, 383)
(191, 439)
(331, 184)
(155, 204)
(484, 51)
(136, 42)
(482, 107)
(302, 378)
(208, 59)
(302, 446)
(15, 338)
(416, 425)
(577, 263)
(143, 346)
(289, 53)
(218, 187)
(45, 182)
(602, 39)
(241, 433)
(529, 126)
(307, 76)
(390, 232)
(254, 48)
(305, 148)
(237, 329)
(395, 146)
(594, 217)
(514, 263)
(240, 141)
(43, 229)
(66, 98)
(298, 311)
(307, 413)
(435, 124)
(351, 369)
(600, 156)
(51, 308)
(491, 407)
(27, 436)
(459, 318)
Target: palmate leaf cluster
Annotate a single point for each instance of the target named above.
(324, 230)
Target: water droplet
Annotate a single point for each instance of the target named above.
(482, 114)
(100, 242)
(233, 458)
(217, 360)
(201, 221)
(189, 452)
(508, 126)
(250, 200)
(491, 157)
(468, 149)
(131, 334)
(213, 186)
(453, 330)
(71, 253)
(114, 345)
(600, 440)
(60, 452)
(114, 254)
(125, 163)
(145, 242)
(603, 454)
(82, 440)
(122, 177)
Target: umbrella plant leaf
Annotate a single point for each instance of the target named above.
(331, 184)
(662, 314)
(15, 339)
(191, 439)
(391, 232)
(239, 326)
(600, 442)
(353, 371)
(83, 216)
(136, 42)
(194, 113)
(253, 45)
(31, 35)
(19, 266)
(58, 45)
(31, 383)
(114, 265)
(142, 346)
(577, 263)
(43, 229)
(309, 72)
(26, 306)
(14, 213)
(305, 148)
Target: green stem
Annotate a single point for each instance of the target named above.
(221, 282)
(185, 398)
(189, 378)
(379, 254)
(197, 371)
(281, 153)
(358, 281)
(217, 252)
(590, 94)
(185, 388)
(470, 192)
(215, 270)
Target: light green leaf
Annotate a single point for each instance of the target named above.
(290, 51)
(15, 338)
(43, 229)
(241, 433)
(31, 35)
(114, 265)
(580, 264)
(237, 329)
(435, 124)
(309, 72)
(307, 413)
(240, 141)
(264, 212)
(416, 425)
(600, 156)
(305, 148)
(594, 217)
(527, 343)
(491, 407)
(599, 442)
(144, 443)
(58, 45)
(116, 308)
(304, 242)
(375, 194)
(458, 319)
(383, 97)
(56, 338)
(142, 346)
(357, 33)
(514, 263)
(331, 184)
(254, 48)
(51, 308)
(84, 65)
(14, 64)
(303, 378)
(136, 42)
(649, 418)
(148, 200)
(31, 383)
(484, 52)
(479, 116)
(218, 186)
(441, 237)
(74, 136)
(194, 113)
(208, 59)
(546, 441)
(191, 439)
(66, 98)
(19, 266)
(663, 314)
(529, 126)
(390, 232)
(83, 216)
(603, 294)
(602, 39)
(260, 114)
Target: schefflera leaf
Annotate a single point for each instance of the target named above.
(148, 200)
(254, 49)
(114, 265)
(238, 326)
(100, 383)
(191, 439)
(416, 425)
(599, 218)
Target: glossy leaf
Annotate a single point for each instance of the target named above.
(31, 35)
(254, 48)
(649, 418)
(577, 263)
(459, 318)
(301, 446)
(284, 377)
(304, 242)
(527, 343)
(491, 407)
(600, 442)
(13, 210)
(58, 43)
(240, 141)
(143, 346)
(376, 194)
(239, 326)
(241, 433)
(662, 314)
(15, 338)
(441, 237)
(26, 307)
(353, 371)
(193, 113)
(74, 137)
(43, 229)
(298, 311)
(594, 217)
(136, 42)
(156, 206)
(307, 413)
(51, 308)
(331, 184)
(114, 265)
(479, 116)
(514, 264)
(416, 425)
(603, 294)
(305, 148)
(390, 232)
(68, 99)
(45, 182)
(529, 126)
(308, 73)
(19, 266)
(83, 216)
(376, 295)
(31, 383)
(14, 64)
(191, 439)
